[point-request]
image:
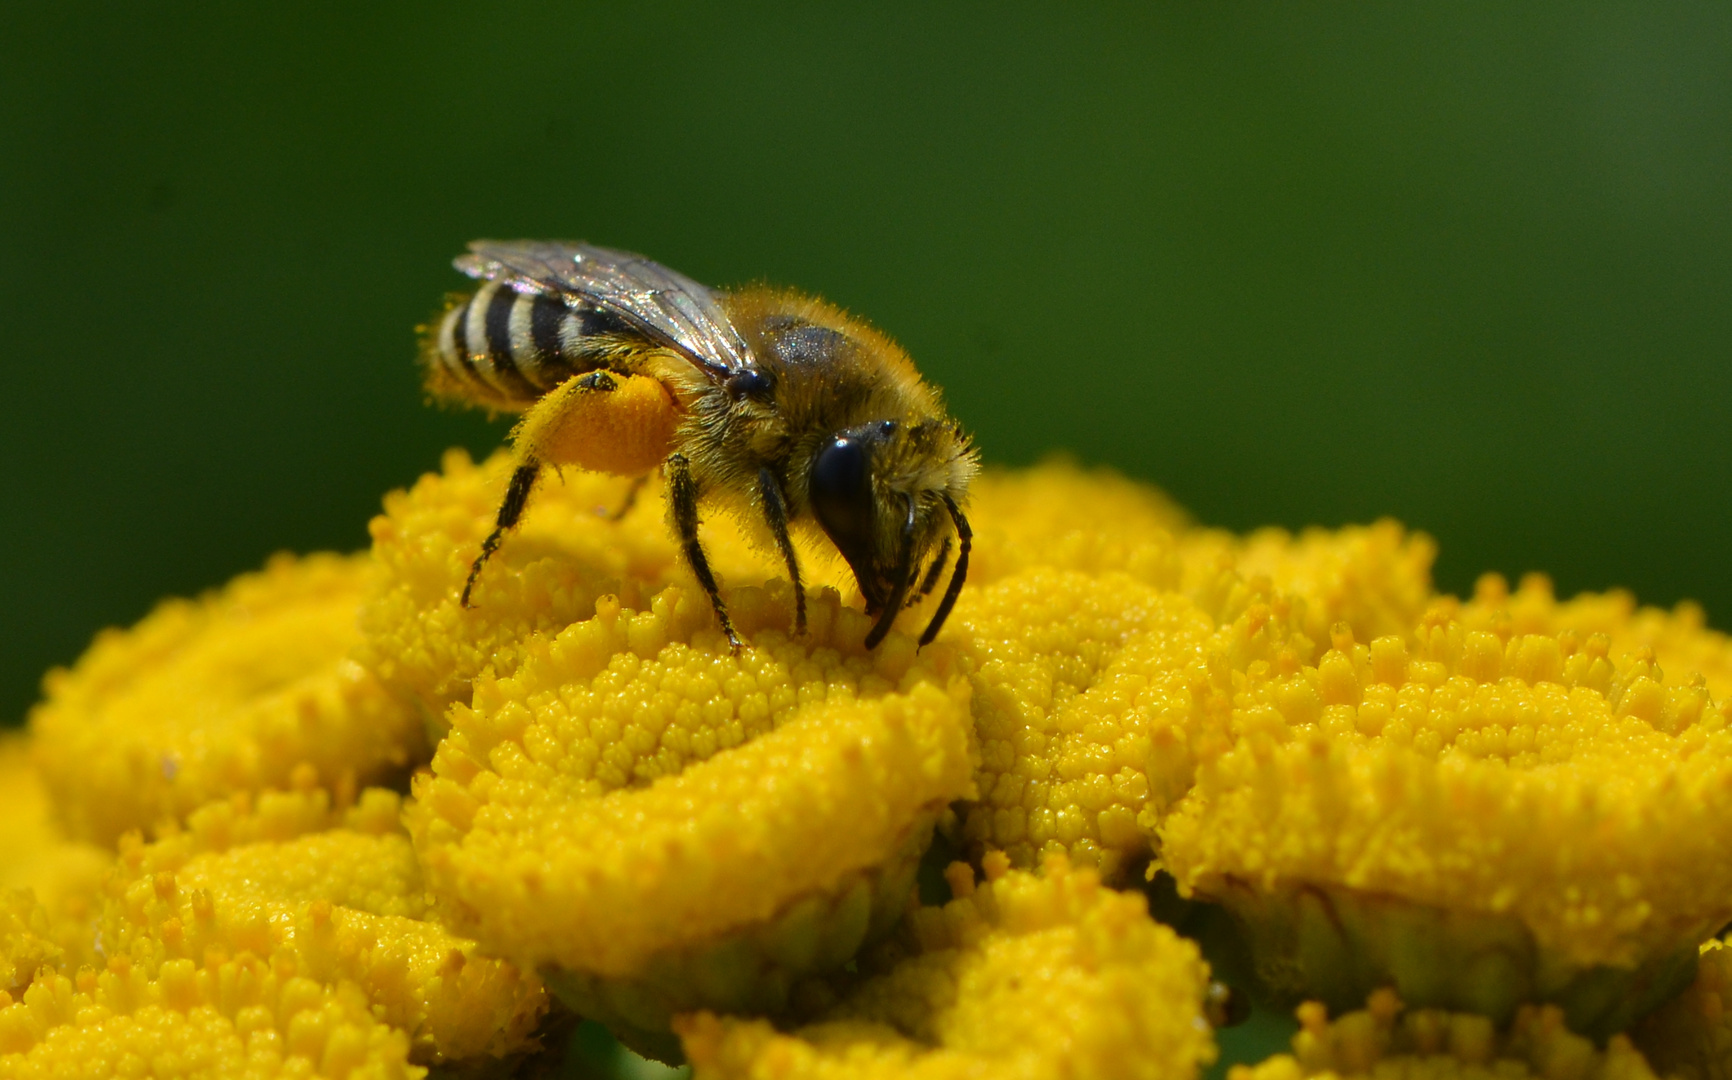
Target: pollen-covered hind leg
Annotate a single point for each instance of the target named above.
(683, 504)
(603, 421)
(516, 497)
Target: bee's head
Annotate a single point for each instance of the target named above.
(887, 494)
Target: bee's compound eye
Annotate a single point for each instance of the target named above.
(841, 492)
(748, 383)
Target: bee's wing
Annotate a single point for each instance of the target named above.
(666, 306)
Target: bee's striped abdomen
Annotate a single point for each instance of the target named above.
(510, 348)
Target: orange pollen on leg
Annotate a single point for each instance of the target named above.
(626, 431)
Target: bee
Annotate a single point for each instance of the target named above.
(769, 403)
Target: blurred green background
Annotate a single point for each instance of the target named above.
(1469, 264)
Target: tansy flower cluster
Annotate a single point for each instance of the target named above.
(327, 821)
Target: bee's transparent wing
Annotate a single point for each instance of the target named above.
(665, 305)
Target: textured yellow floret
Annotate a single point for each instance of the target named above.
(1023, 977)
(25, 940)
(347, 903)
(64, 875)
(224, 1018)
(631, 806)
(1387, 1042)
(1375, 578)
(1691, 1037)
(547, 574)
(232, 692)
(1081, 697)
(1680, 642)
(1084, 680)
(1528, 793)
(1061, 515)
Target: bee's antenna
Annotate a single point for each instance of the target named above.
(964, 537)
(904, 575)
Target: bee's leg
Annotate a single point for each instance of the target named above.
(930, 581)
(683, 501)
(964, 539)
(516, 495)
(776, 513)
(899, 587)
(630, 500)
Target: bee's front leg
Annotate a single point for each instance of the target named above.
(776, 513)
(683, 503)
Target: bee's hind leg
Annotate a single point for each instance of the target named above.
(776, 513)
(630, 500)
(683, 502)
(516, 497)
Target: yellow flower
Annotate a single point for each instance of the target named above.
(1480, 821)
(1060, 515)
(1020, 977)
(1087, 631)
(548, 574)
(64, 876)
(1676, 640)
(26, 945)
(232, 692)
(1493, 803)
(219, 1018)
(1387, 1041)
(1375, 578)
(1082, 701)
(658, 824)
(339, 892)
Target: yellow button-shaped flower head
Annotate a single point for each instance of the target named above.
(1082, 701)
(1024, 977)
(658, 824)
(1480, 821)
(232, 692)
(337, 893)
(219, 1017)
